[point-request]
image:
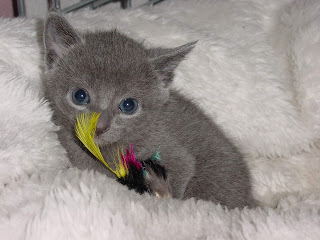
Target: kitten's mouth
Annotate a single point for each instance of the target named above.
(98, 140)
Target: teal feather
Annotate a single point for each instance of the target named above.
(156, 156)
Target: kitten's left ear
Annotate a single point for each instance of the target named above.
(166, 60)
(59, 35)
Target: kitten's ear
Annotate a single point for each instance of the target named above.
(166, 60)
(59, 35)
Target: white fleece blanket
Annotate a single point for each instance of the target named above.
(255, 71)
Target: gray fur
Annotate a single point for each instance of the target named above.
(201, 162)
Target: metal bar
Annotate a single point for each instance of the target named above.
(154, 2)
(21, 8)
(54, 4)
(77, 6)
(126, 4)
(94, 4)
(151, 3)
(98, 3)
(57, 4)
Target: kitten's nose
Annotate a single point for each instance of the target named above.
(101, 130)
(103, 124)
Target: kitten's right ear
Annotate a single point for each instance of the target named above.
(165, 60)
(59, 35)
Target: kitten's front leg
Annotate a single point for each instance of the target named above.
(156, 179)
(180, 166)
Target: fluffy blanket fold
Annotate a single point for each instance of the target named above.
(255, 71)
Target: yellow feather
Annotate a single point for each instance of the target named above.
(121, 169)
(85, 130)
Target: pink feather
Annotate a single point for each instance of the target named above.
(130, 159)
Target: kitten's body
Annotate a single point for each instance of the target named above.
(201, 162)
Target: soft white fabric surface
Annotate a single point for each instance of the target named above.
(255, 71)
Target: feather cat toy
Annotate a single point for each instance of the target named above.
(137, 175)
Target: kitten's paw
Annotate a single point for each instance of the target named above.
(152, 179)
(156, 179)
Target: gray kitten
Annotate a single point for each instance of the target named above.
(111, 73)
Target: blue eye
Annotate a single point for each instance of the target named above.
(128, 106)
(80, 96)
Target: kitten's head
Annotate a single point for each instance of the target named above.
(105, 72)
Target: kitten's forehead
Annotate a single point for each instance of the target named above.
(114, 44)
(109, 56)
